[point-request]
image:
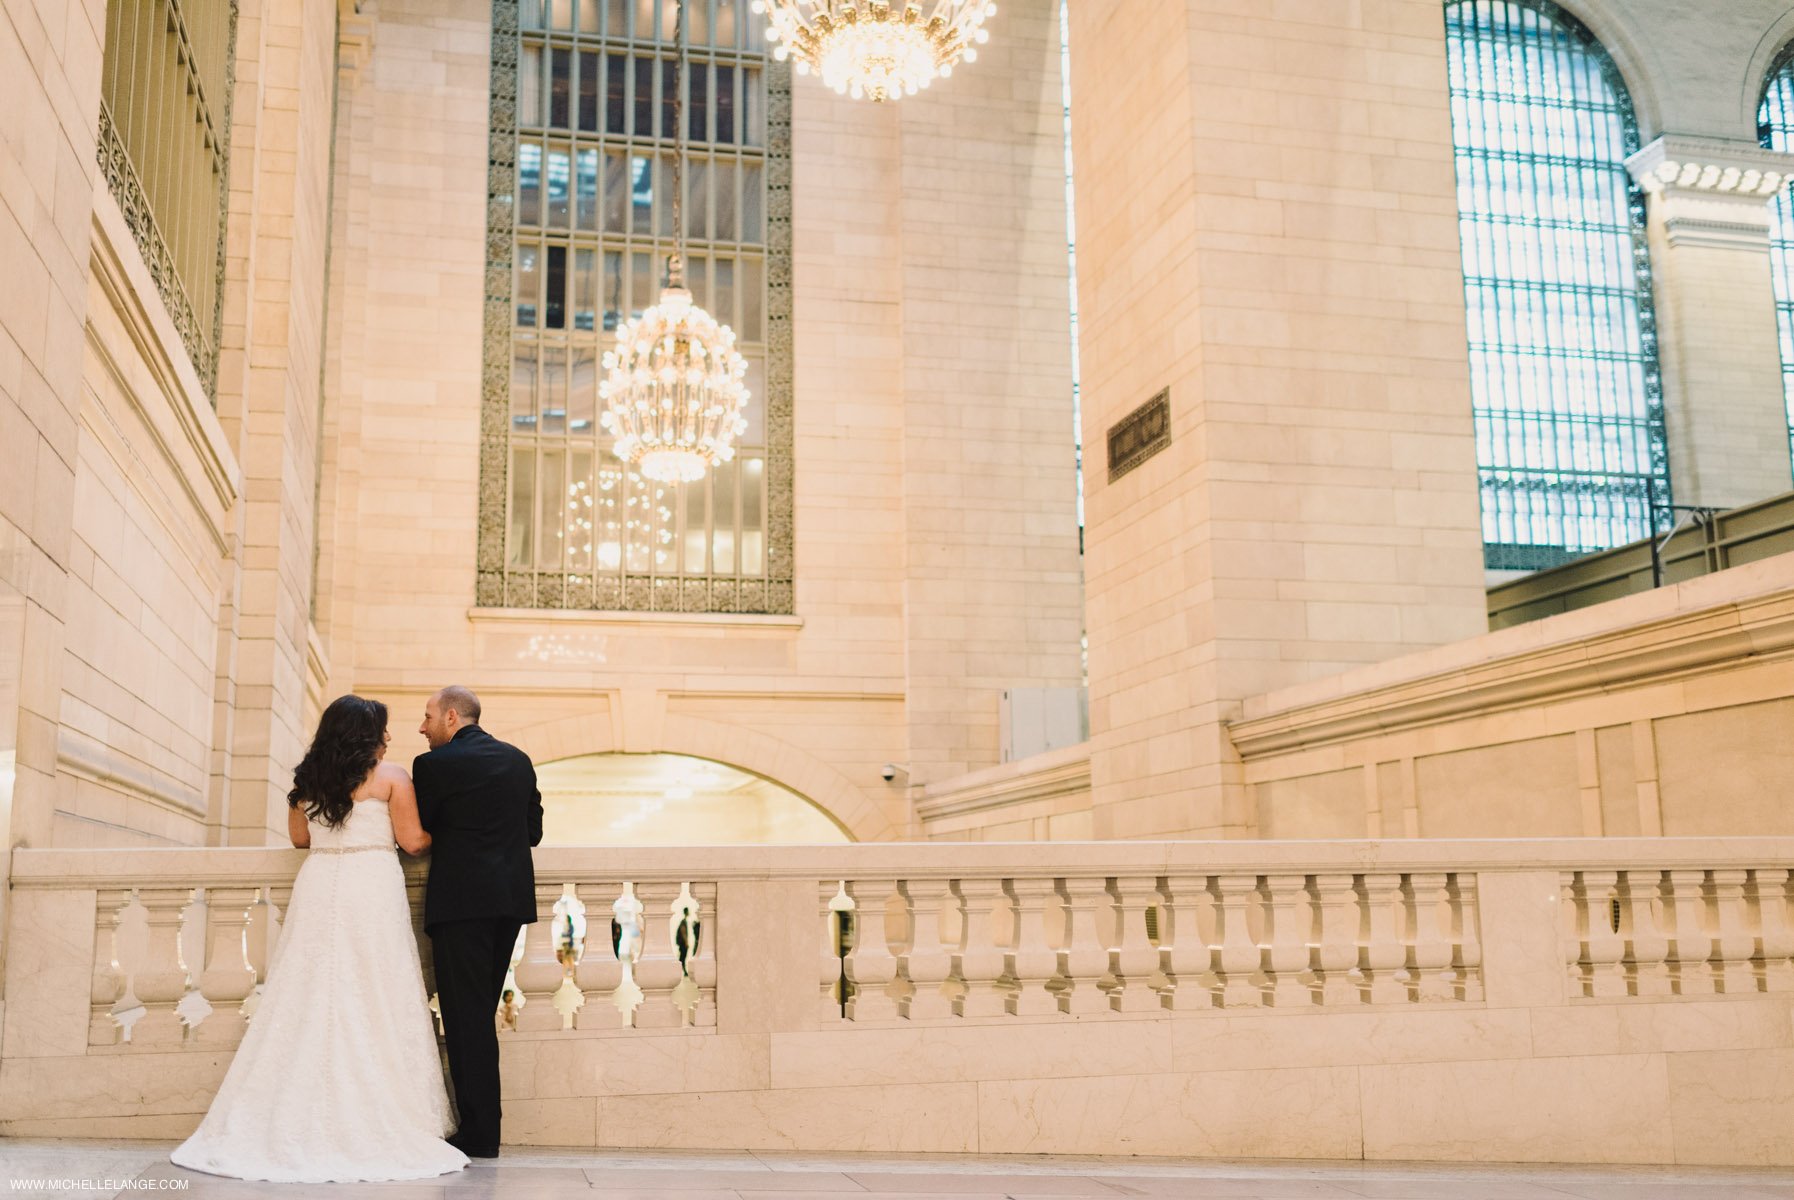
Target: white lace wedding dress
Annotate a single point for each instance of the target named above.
(337, 1078)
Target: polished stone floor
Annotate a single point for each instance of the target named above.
(63, 1168)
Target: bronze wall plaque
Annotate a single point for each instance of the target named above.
(1140, 435)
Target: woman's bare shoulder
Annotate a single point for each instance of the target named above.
(391, 772)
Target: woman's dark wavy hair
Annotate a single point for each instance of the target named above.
(342, 753)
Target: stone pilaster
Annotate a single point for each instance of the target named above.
(1709, 221)
(1283, 257)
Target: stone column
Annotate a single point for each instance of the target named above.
(991, 591)
(1267, 228)
(269, 381)
(1717, 338)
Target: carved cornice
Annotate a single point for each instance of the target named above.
(354, 38)
(1047, 776)
(1711, 192)
(1654, 652)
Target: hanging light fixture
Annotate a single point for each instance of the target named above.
(673, 389)
(881, 51)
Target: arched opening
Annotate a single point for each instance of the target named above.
(672, 800)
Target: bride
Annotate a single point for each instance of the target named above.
(338, 1077)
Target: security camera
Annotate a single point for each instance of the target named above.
(889, 771)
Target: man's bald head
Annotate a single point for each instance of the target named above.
(462, 701)
(446, 712)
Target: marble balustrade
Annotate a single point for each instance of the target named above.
(121, 962)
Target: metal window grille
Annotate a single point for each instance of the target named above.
(164, 141)
(592, 230)
(1775, 130)
(1563, 350)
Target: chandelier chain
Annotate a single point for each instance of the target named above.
(676, 267)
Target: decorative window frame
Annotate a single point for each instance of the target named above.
(1659, 515)
(497, 585)
(126, 186)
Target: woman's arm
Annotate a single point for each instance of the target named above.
(407, 828)
(298, 828)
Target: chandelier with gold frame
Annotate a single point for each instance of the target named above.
(674, 385)
(877, 51)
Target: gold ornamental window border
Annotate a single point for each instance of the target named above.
(495, 584)
(124, 177)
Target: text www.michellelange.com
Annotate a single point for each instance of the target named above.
(75, 1183)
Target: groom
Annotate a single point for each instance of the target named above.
(477, 797)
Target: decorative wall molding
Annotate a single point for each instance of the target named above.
(185, 416)
(1711, 192)
(1631, 655)
(1064, 772)
(85, 758)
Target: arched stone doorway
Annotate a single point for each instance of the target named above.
(660, 799)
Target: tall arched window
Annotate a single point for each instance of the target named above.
(579, 226)
(1775, 130)
(1563, 348)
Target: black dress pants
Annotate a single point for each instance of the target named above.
(471, 959)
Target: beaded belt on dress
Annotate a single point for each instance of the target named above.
(347, 849)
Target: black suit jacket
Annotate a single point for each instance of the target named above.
(478, 799)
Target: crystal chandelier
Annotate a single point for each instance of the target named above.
(673, 389)
(884, 51)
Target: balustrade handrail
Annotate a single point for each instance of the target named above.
(100, 868)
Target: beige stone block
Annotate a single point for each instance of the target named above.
(987, 1050)
(1299, 1113)
(1733, 1108)
(1677, 1027)
(638, 1063)
(1344, 1038)
(560, 1122)
(1594, 1109)
(1499, 790)
(49, 965)
(108, 1085)
(936, 1118)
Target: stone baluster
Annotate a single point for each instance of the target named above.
(1381, 955)
(161, 980)
(1570, 922)
(685, 933)
(540, 972)
(926, 964)
(1602, 950)
(1335, 955)
(1467, 949)
(1775, 931)
(1284, 958)
(1184, 953)
(871, 967)
(1239, 956)
(1690, 936)
(836, 911)
(978, 962)
(1084, 959)
(227, 978)
(1031, 965)
(1430, 953)
(1134, 962)
(1735, 940)
(569, 947)
(598, 973)
(1647, 946)
(112, 999)
(659, 972)
(263, 937)
(701, 966)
